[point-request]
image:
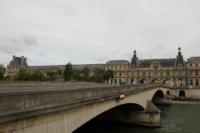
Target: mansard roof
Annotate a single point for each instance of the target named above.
(191, 59)
(78, 67)
(17, 61)
(117, 62)
(196, 57)
(145, 63)
(167, 62)
(163, 62)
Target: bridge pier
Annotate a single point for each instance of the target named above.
(149, 117)
(165, 101)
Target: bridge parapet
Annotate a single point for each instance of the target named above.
(19, 105)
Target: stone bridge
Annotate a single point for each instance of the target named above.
(66, 110)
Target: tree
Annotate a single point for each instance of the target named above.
(51, 74)
(38, 76)
(86, 73)
(76, 75)
(108, 74)
(68, 72)
(23, 75)
(59, 71)
(2, 72)
(98, 76)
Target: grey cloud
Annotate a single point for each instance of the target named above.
(11, 45)
(41, 54)
(99, 30)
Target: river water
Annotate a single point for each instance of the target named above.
(181, 117)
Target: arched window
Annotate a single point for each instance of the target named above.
(167, 73)
(120, 74)
(197, 73)
(197, 82)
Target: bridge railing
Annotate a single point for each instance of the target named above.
(15, 106)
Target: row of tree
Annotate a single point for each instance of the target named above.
(98, 75)
(31, 76)
(69, 74)
(2, 72)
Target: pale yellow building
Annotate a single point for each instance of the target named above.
(175, 72)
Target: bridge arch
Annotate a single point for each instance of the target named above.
(166, 81)
(168, 92)
(111, 114)
(155, 81)
(123, 110)
(158, 94)
(179, 82)
(182, 93)
(115, 114)
(71, 119)
(157, 97)
(143, 81)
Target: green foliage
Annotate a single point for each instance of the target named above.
(23, 75)
(76, 75)
(68, 72)
(108, 74)
(7, 78)
(51, 75)
(98, 76)
(81, 75)
(2, 72)
(85, 73)
(59, 71)
(38, 76)
(27, 76)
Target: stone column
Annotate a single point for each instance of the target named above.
(150, 117)
(165, 101)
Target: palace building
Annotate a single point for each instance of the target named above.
(16, 64)
(175, 72)
(20, 63)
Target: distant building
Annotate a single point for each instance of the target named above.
(91, 67)
(175, 72)
(16, 64)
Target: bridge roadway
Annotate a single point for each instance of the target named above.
(7, 87)
(21, 103)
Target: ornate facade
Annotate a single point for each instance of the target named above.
(16, 64)
(175, 72)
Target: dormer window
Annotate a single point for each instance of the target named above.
(156, 66)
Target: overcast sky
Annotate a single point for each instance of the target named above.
(95, 31)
